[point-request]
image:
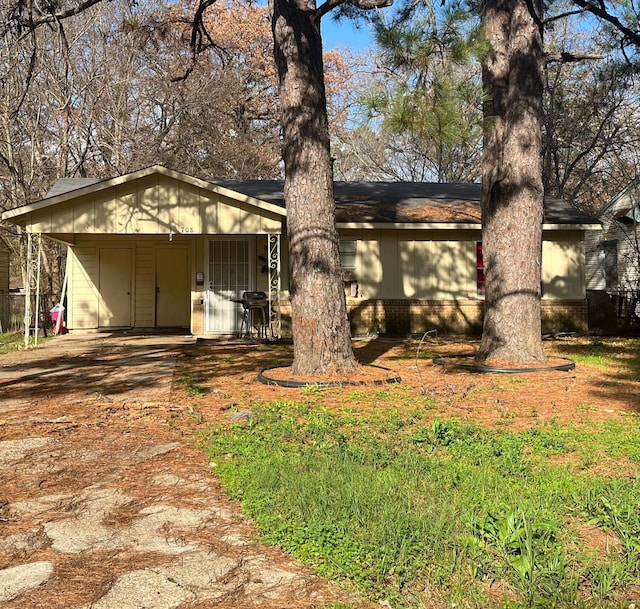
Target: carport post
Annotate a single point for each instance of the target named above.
(273, 266)
(27, 296)
(60, 321)
(36, 323)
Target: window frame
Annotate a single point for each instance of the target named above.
(344, 253)
(480, 276)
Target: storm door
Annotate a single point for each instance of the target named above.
(229, 272)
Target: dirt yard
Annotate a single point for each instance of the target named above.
(105, 503)
(608, 386)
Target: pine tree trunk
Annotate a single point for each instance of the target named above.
(512, 191)
(321, 333)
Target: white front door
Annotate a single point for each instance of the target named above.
(229, 272)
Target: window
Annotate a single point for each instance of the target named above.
(479, 269)
(610, 264)
(348, 255)
(348, 261)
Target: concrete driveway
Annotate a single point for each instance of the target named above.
(103, 505)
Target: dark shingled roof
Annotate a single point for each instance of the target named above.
(406, 202)
(65, 185)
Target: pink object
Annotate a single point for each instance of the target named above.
(57, 317)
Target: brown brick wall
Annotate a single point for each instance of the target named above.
(564, 316)
(403, 316)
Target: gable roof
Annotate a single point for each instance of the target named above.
(66, 189)
(358, 204)
(609, 205)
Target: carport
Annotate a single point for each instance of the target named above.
(157, 249)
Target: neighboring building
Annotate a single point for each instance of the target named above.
(160, 249)
(613, 254)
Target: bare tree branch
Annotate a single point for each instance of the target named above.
(601, 12)
(553, 18)
(31, 22)
(28, 78)
(199, 34)
(566, 57)
(199, 31)
(366, 5)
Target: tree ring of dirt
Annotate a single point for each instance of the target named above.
(563, 364)
(263, 377)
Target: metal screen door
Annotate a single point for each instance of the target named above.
(229, 272)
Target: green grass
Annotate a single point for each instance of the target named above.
(14, 341)
(11, 341)
(397, 504)
(597, 361)
(620, 355)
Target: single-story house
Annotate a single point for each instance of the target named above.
(161, 249)
(613, 253)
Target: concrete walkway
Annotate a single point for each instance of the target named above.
(104, 506)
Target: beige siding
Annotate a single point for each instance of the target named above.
(409, 255)
(62, 219)
(154, 205)
(167, 199)
(144, 207)
(452, 265)
(369, 267)
(220, 215)
(84, 215)
(144, 271)
(391, 265)
(563, 267)
(84, 277)
(441, 265)
(201, 260)
(105, 206)
(188, 213)
(40, 222)
(415, 264)
(83, 293)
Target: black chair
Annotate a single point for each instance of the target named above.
(254, 314)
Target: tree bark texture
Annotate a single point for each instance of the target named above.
(512, 190)
(321, 332)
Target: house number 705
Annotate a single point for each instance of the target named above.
(186, 229)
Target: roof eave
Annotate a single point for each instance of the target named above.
(453, 225)
(613, 201)
(410, 225)
(571, 226)
(13, 214)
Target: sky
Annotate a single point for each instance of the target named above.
(345, 33)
